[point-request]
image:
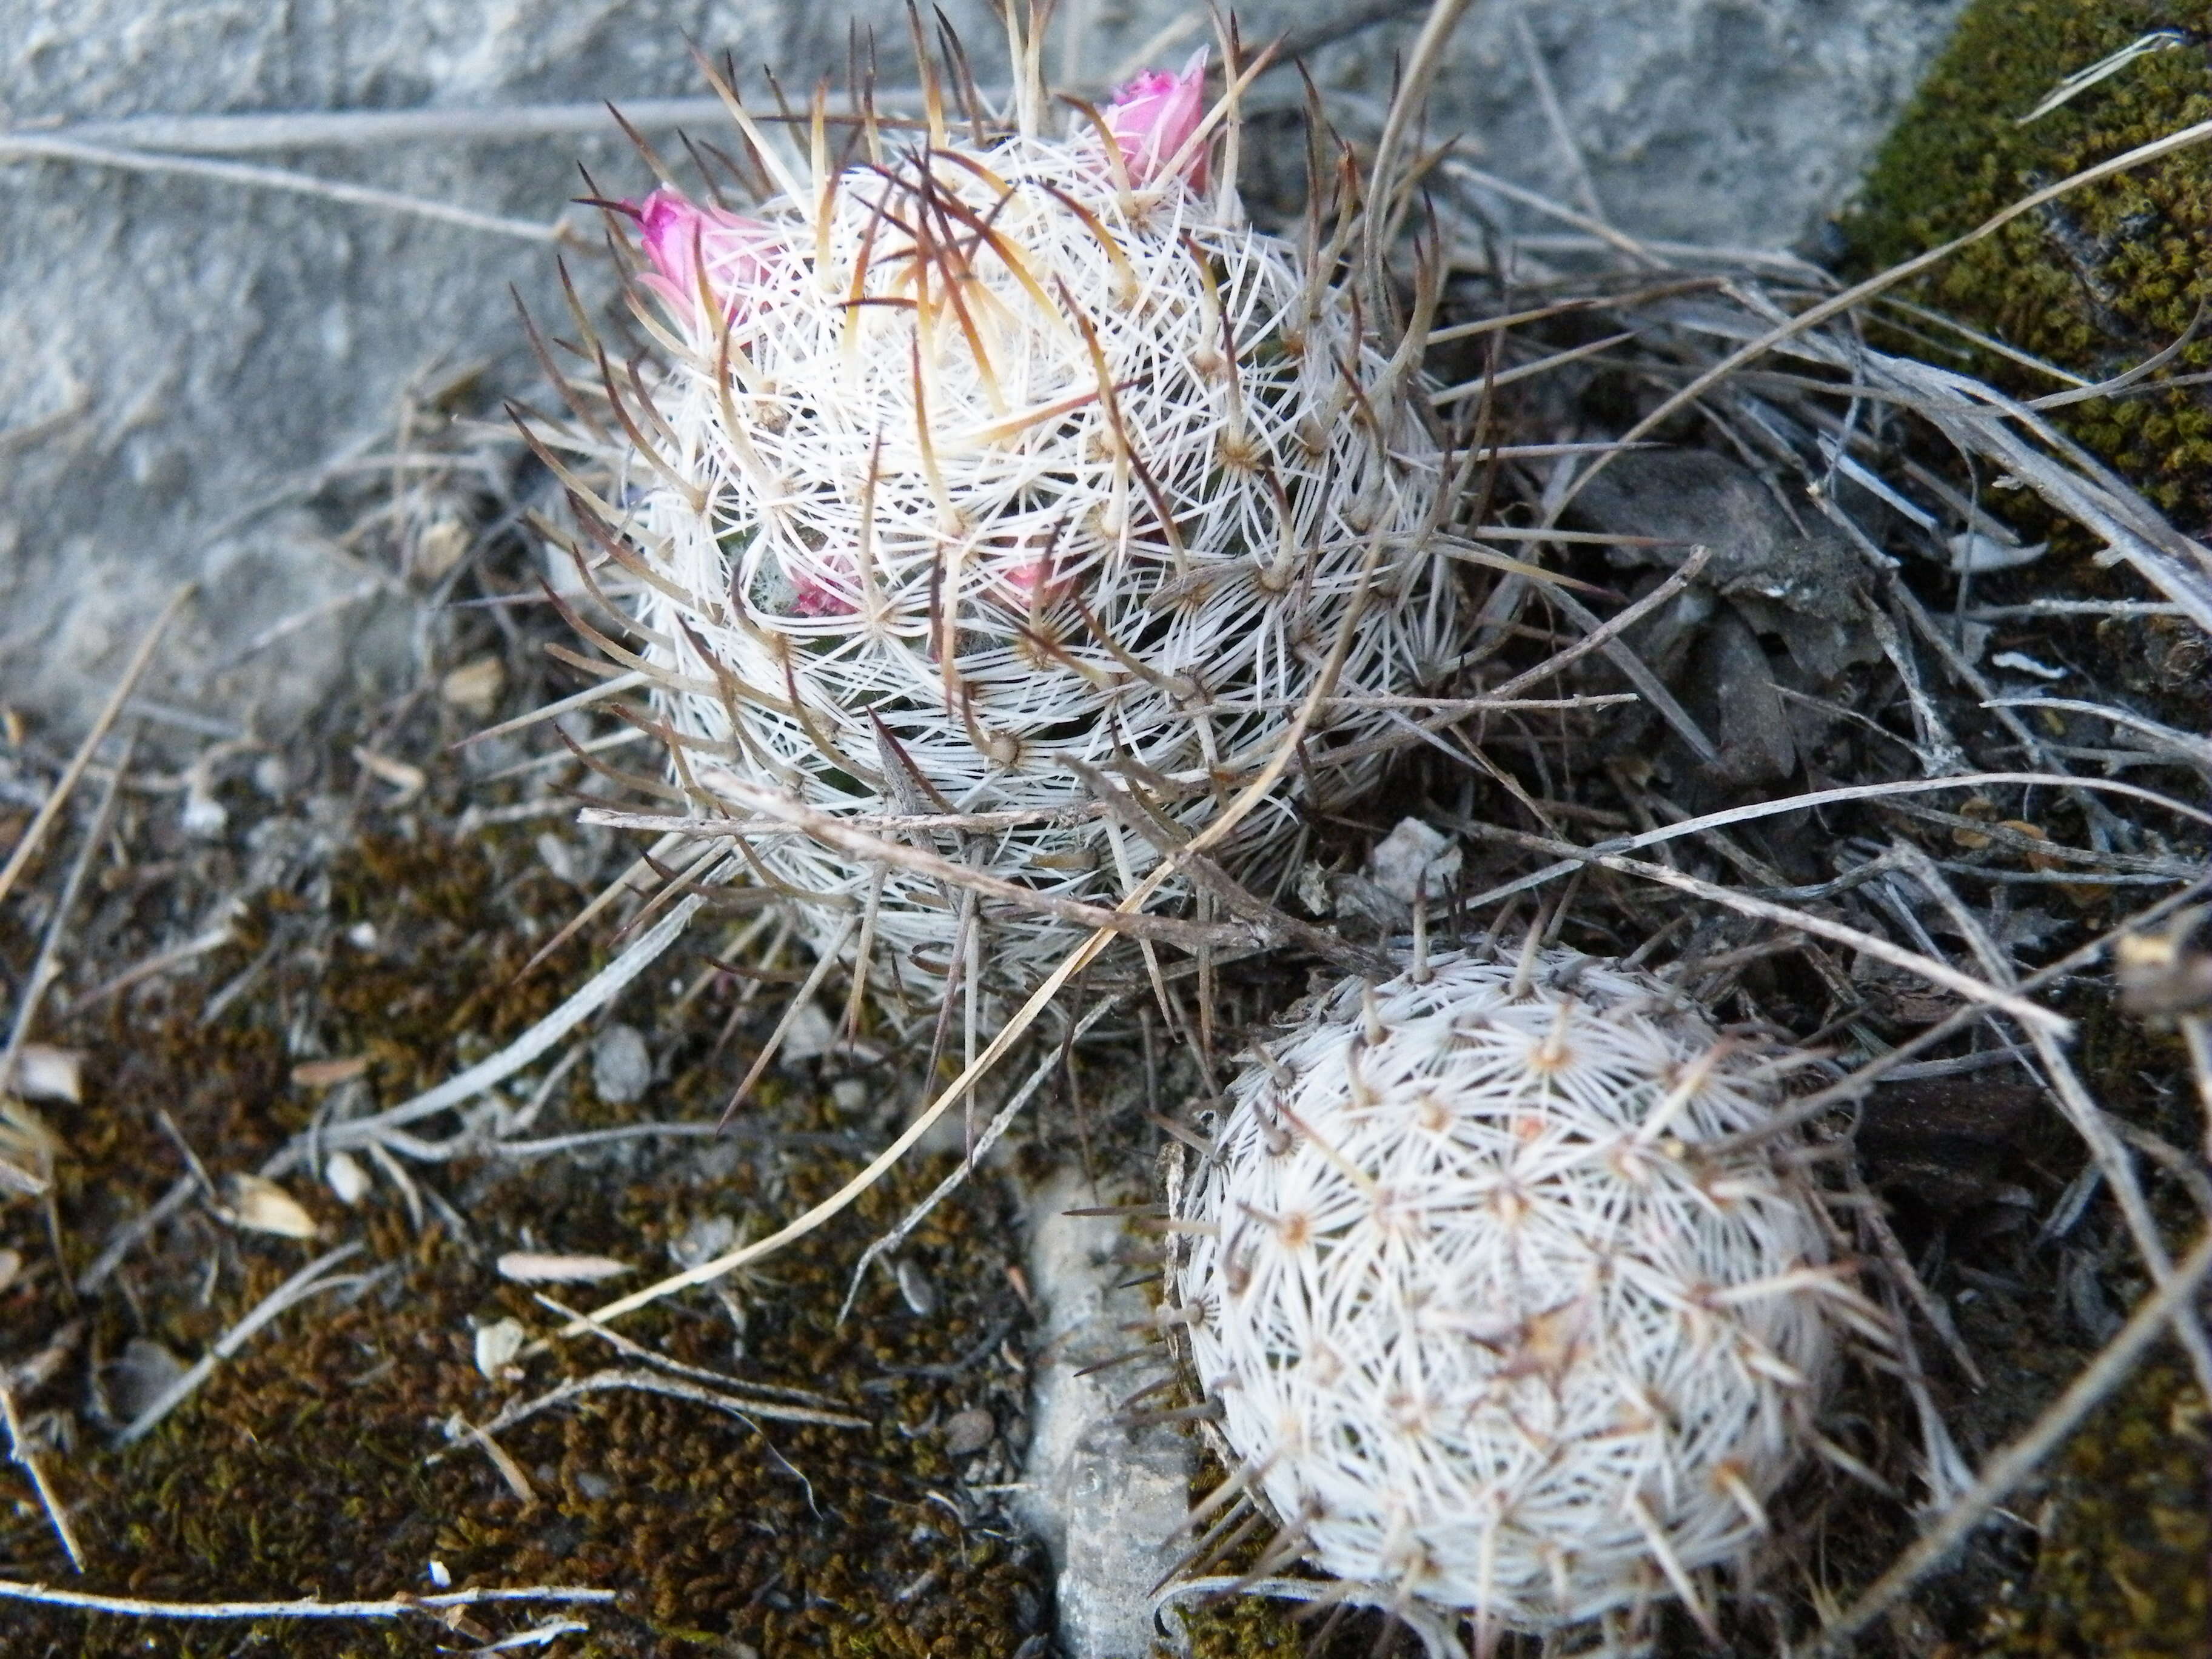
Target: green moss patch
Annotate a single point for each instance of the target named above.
(323, 1461)
(2096, 281)
(2120, 1571)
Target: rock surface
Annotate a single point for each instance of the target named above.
(179, 354)
(1717, 122)
(1103, 1497)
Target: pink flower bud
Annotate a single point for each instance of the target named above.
(1037, 577)
(813, 596)
(1151, 116)
(678, 236)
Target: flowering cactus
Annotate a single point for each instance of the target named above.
(989, 460)
(1507, 1291)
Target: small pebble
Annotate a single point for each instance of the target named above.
(496, 1345)
(46, 1073)
(705, 1238)
(620, 1067)
(438, 549)
(347, 1178)
(474, 687)
(1414, 859)
(203, 816)
(968, 1432)
(141, 1375)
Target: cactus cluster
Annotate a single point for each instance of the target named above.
(1511, 1294)
(985, 473)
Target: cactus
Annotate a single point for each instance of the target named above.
(1512, 1295)
(995, 457)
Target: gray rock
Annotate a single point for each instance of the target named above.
(1723, 123)
(1777, 570)
(1792, 572)
(967, 1432)
(1104, 1498)
(141, 1375)
(179, 355)
(1716, 122)
(622, 1067)
(1414, 860)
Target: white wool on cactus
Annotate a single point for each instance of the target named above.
(990, 460)
(1511, 1295)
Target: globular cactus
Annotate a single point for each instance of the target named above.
(1000, 454)
(1511, 1294)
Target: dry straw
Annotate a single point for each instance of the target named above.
(1007, 533)
(817, 652)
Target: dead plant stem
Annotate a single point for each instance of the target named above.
(19, 1449)
(51, 808)
(2016, 1462)
(398, 1607)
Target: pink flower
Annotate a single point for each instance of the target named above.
(812, 596)
(678, 235)
(1033, 583)
(1151, 116)
(1029, 574)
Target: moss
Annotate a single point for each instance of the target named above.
(316, 1462)
(2096, 281)
(450, 931)
(2120, 1570)
(2116, 1562)
(1250, 1627)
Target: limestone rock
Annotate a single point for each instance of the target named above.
(1103, 1497)
(178, 354)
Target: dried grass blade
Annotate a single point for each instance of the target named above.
(601, 989)
(51, 808)
(131, 1607)
(44, 967)
(306, 1283)
(22, 146)
(619, 683)
(20, 1453)
(2017, 1460)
